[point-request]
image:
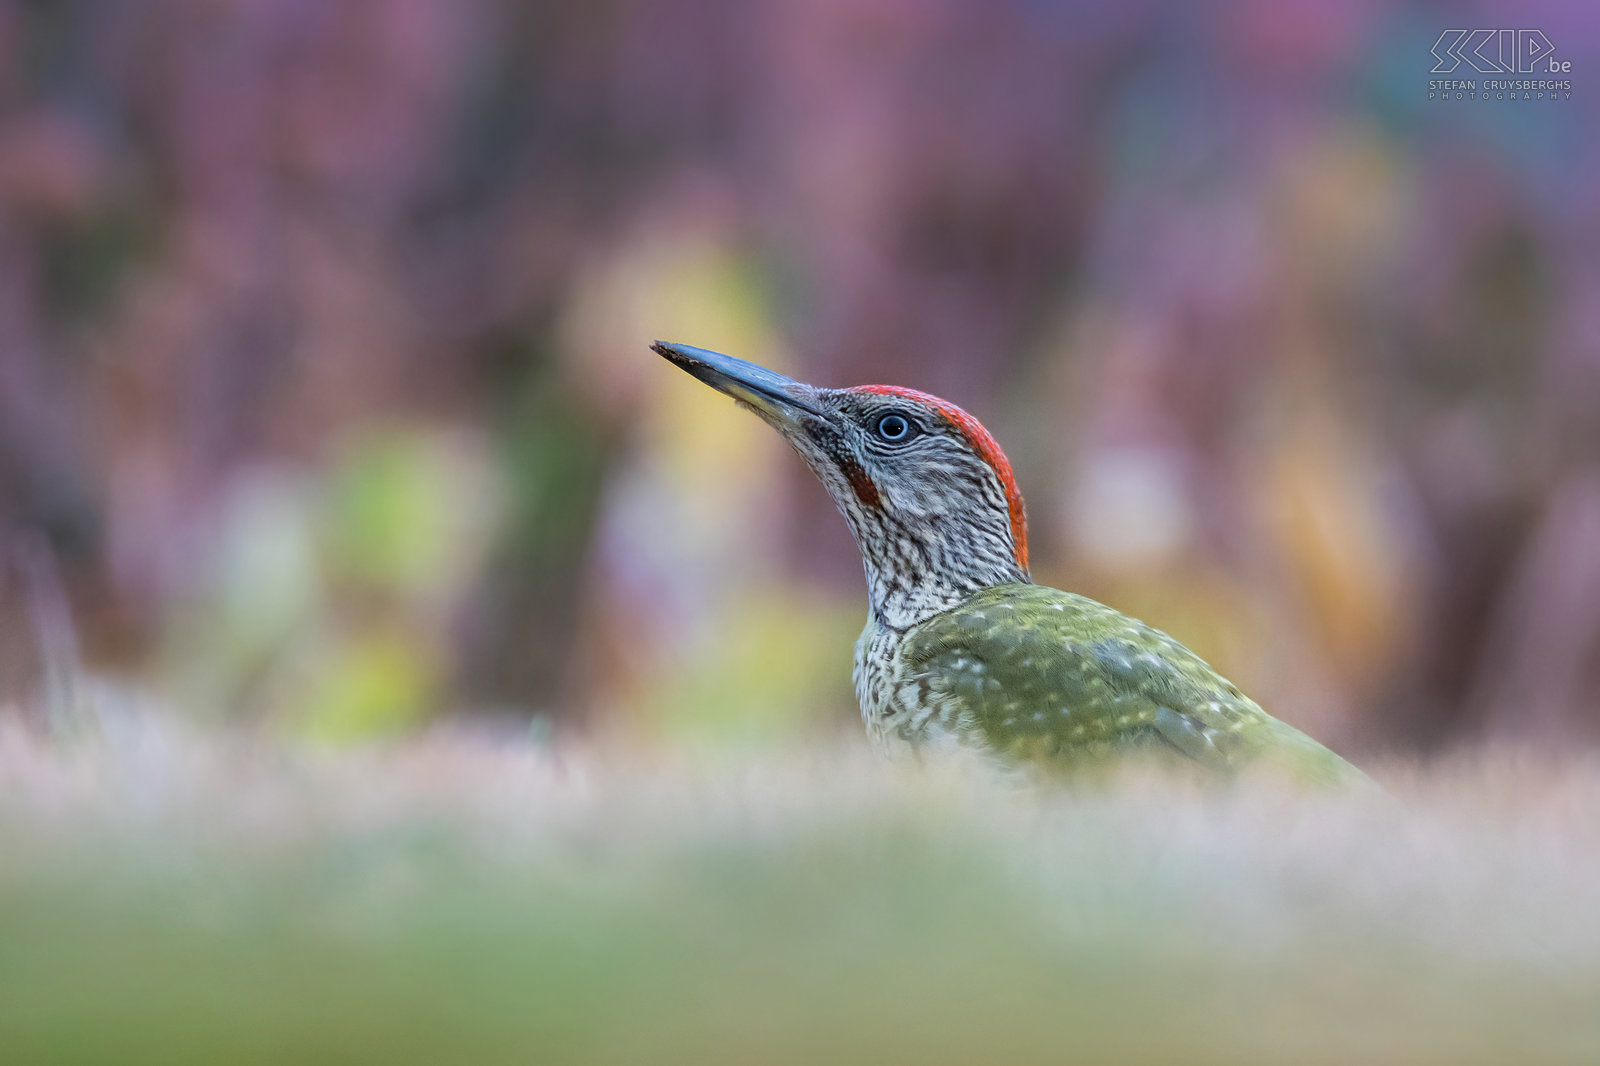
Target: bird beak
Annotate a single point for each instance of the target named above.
(777, 399)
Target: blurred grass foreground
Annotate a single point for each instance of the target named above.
(171, 900)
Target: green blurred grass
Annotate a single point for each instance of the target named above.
(169, 900)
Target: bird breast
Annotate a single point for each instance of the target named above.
(898, 710)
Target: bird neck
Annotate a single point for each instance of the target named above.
(916, 572)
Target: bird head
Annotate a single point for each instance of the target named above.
(929, 495)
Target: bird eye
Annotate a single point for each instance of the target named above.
(895, 428)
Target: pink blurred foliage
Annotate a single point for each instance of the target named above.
(1230, 289)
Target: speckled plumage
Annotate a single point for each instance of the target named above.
(1037, 675)
(960, 646)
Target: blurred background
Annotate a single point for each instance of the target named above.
(326, 405)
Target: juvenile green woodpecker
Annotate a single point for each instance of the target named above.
(960, 645)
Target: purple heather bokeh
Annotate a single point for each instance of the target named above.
(325, 394)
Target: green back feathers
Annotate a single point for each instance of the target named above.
(1044, 675)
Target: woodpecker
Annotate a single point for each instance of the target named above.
(961, 647)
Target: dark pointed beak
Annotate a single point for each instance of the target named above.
(777, 399)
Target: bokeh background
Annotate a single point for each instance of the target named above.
(326, 406)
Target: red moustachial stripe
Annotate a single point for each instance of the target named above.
(984, 444)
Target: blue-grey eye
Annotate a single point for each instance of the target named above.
(895, 428)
